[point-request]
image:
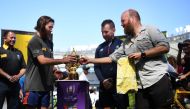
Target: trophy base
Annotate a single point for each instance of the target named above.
(72, 94)
(74, 76)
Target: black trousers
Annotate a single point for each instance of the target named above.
(109, 98)
(11, 93)
(158, 96)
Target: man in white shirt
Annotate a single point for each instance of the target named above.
(83, 76)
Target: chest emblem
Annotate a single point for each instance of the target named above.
(18, 56)
(117, 47)
(3, 55)
(44, 49)
(101, 50)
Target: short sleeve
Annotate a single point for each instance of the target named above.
(23, 63)
(35, 47)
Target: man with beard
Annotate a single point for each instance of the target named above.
(147, 50)
(39, 72)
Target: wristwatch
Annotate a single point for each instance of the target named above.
(143, 55)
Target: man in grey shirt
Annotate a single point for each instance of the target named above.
(147, 50)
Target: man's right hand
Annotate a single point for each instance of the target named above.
(84, 60)
(69, 58)
(107, 83)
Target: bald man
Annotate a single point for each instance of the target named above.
(148, 50)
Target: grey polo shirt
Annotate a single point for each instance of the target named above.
(150, 70)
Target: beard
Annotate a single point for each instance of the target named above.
(45, 35)
(129, 30)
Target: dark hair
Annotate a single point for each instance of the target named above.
(134, 13)
(42, 21)
(108, 21)
(6, 33)
(172, 60)
(187, 40)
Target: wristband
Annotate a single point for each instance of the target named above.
(143, 55)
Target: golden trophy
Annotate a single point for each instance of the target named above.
(72, 67)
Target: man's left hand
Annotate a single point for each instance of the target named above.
(136, 56)
(14, 78)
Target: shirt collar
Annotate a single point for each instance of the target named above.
(5, 46)
(142, 29)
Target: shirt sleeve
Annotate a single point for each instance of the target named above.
(0, 58)
(122, 51)
(35, 47)
(23, 63)
(117, 53)
(157, 37)
(97, 68)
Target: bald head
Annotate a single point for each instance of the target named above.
(131, 13)
(130, 20)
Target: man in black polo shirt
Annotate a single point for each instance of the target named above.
(12, 67)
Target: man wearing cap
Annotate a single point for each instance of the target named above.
(83, 75)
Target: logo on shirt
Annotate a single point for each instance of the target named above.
(44, 49)
(3, 55)
(18, 56)
(117, 47)
(101, 50)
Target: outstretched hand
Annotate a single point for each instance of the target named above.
(84, 60)
(69, 58)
